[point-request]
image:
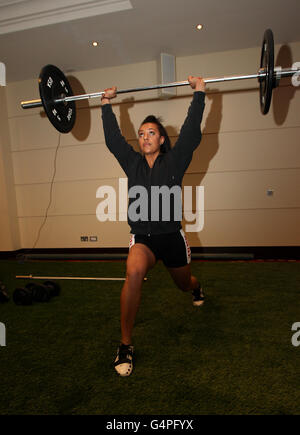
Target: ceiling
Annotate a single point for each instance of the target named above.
(34, 33)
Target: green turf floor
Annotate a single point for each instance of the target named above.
(234, 355)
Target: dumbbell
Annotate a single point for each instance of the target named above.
(36, 293)
(31, 293)
(40, 293)
(44, 292)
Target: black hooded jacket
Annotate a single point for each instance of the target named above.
(160, 213)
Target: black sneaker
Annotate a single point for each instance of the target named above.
(198, 297)
(123, 362)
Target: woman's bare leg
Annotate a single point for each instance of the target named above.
(187, 282)
(140, 260)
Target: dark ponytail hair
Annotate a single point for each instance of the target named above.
(166, 146)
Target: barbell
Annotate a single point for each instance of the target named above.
(84, 278)
(58, 99)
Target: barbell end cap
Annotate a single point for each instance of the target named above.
(31, 104)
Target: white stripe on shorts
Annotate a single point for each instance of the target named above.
(132, 240)
(187, 247)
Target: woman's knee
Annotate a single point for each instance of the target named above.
(135, 272)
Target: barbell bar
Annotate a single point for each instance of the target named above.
(59, 102)
(84, 278)
(279, 74)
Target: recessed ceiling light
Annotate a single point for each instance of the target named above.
(199, 26)
(95, 44)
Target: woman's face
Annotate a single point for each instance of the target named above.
(150, 139)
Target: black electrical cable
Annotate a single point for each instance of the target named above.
(22, 257)
(51, 194)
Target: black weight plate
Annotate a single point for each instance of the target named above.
(40, 293)
(33, 289)
(266, 83)
(22, 296)
(54, 85)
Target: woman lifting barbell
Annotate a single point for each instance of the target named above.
(155, 239)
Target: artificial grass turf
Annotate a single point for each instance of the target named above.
(233, 355)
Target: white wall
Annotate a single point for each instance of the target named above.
(9, 227)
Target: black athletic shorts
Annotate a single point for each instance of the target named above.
(173, 248)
